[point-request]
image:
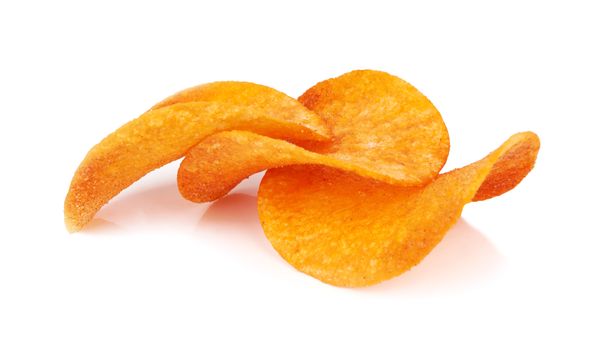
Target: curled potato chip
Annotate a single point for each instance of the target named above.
(218, 163)
(350, 231)
(171, 128)
(355, 198)
(383, 128)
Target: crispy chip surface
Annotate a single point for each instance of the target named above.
(350, 231)
(352, 197)
(170, 129)
(383, 128)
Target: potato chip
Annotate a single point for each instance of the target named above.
(350, 231)
(352, 197)
(383, 128)
(218, 163)
(170, 129)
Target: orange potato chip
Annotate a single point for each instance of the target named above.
(170, 129)
(383, 128)
(356, 197)
(217, 164)
(350, 231)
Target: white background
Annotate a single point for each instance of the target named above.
(156, 272)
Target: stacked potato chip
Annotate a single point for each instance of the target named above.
(353, 194)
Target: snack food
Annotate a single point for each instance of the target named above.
(383, 128)
(170, 129)
(350, 231)
(353, 194)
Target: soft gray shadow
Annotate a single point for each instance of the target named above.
(465, 257)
